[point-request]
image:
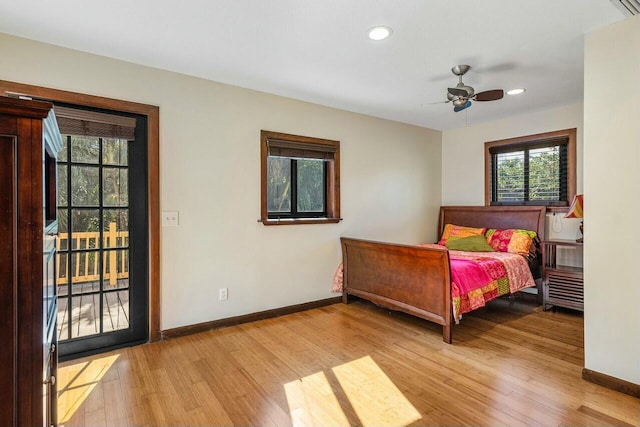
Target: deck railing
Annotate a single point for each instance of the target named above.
(85, 265)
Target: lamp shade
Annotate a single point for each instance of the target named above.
(575, 210)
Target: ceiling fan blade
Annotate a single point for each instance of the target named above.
(456, 91)
(462, 107)
(489, 95)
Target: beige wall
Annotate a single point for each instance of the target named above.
(209, 154)
(463, 158)
(612, 157)
(209, 172)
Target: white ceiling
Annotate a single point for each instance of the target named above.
(318, 51)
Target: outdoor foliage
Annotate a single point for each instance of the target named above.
(87, 156)
(310, 188)
(278, 184)
(310, 185)
(544, 175)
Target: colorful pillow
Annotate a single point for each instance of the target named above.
(470, 244)
(511, 240)
(453, 232)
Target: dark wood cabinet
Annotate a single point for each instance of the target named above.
(563, 284)
(29, 142)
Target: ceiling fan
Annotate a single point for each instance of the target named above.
(462, 95)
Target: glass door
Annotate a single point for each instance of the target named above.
(102, 257)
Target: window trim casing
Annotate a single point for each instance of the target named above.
(332, 193)
(568, 135)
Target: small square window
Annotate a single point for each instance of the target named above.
(300, 179)
(531, 170)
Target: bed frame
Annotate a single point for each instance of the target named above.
(416, 280)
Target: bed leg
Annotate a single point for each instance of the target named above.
(446, 334)
(345, 298)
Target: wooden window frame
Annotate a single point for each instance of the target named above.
(568, 135)
(332, 175)
(153, 163)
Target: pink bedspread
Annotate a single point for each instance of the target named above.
(504, 273)
(476, 278)
(468, 275)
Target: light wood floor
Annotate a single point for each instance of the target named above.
(356, 364)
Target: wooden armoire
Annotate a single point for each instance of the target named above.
(29, 142)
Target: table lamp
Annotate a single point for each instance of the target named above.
(575, 211)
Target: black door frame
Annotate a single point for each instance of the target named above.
(138, 329)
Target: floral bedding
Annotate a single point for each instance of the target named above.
(479, 277)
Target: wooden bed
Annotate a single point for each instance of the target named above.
(416, 280)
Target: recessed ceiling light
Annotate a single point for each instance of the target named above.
(380, 33)
(515, 91)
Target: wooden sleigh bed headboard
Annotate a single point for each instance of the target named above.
(523, 217)
(416, 280)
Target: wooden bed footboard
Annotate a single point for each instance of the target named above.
(411, 279)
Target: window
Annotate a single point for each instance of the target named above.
(300, 179)
(531, 170)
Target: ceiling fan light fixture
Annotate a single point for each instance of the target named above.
(462, 107)
(380, 32)
(516, 91)
(459, 102)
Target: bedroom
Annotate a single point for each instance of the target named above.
(193, 127)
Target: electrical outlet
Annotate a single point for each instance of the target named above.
(223, 293)
(170, 218)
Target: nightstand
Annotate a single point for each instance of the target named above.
(562, 285)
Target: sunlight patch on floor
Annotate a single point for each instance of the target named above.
(374, 397)
(367, 393)
(312, 402)
(77, 381)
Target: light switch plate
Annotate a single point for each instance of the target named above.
(169, 218)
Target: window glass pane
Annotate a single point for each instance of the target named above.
(63, 225)
(510, 176)
(85, 272)
(115, 191)
(115, 314)
(63, 318)
(278, 184)
(85, 228)
(544, 173)
(63, 272)
(85, 315)
(85, 149)
(63, 154)
(310, 185)
(114, 151)
(62, 185)
(115, 229)
(115, 269)
(85, 185)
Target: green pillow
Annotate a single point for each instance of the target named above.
(470, 244)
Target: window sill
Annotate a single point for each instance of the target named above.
(297, 221)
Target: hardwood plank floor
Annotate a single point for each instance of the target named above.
(510, 364)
